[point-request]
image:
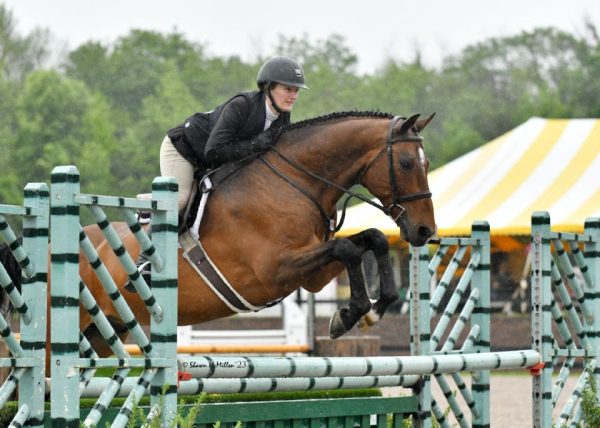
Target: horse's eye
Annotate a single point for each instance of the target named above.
(406, 164)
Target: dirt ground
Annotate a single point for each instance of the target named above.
(510, 400)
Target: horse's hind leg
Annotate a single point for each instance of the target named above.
(309, 266)
(375, 240)
(346, 317)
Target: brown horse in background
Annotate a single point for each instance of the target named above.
(267, 226)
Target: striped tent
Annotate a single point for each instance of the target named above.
(544, 164)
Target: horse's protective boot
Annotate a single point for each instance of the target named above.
(145, 269)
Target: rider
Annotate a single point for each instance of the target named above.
(247, 123)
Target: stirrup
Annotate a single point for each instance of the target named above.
(145, 270)
(143, 216)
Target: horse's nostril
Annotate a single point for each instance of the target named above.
(425, 232)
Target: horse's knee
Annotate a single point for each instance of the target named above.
(346, 252)
(379, 242)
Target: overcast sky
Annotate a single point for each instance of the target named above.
(374, 30)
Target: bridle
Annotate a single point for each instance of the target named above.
(397, 198)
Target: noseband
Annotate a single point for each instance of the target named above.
(397, 198)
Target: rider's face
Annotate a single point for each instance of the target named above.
(284, 96)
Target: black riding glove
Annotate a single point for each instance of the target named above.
(266, 139)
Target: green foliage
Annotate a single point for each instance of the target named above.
(182, 420)
(193, 403)
(19, 55)
(399, 88)
(137, 157)
(58, 122)
(11, 189)
(107, 107)
(132, 69)
(292, 395)
(7, 413)
(590, 404)
(329, 68)
(455, 138)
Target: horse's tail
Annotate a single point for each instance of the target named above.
(13, 269)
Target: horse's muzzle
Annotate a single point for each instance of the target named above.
(424, 233)
(417, 235)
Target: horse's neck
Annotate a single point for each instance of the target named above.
(337, 153)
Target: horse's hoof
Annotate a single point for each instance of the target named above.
(336, 326)
(368, 320)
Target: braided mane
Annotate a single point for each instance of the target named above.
(336, 115)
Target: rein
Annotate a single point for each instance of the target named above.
(397, 199)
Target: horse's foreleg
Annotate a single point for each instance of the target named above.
(375, 240)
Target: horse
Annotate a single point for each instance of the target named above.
(268, 226)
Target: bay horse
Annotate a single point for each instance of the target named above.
(267, 227)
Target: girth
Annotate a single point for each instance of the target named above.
(194, 253)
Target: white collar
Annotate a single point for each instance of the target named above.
(270, 115)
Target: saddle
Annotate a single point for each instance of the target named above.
(206, 181)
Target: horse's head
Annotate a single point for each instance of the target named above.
(396, 173)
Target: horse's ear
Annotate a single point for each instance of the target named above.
(408, 124)
(421, 124)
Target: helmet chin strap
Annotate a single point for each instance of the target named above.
(273, 103)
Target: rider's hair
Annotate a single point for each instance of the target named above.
(267, 86)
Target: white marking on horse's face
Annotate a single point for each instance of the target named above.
(422, 159)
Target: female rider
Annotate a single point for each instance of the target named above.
(247, 123)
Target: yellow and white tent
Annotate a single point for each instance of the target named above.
(542, 165)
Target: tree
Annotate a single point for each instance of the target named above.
(19, 55)
(59, 122)
(132, 69)
(503, 81)
(216, 80)
(579, 84)
(108, 107)
(10, 185)
(402, 89)
(135, 162)
(90, 64)
(329, 67)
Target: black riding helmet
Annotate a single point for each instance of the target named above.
(281, 69)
